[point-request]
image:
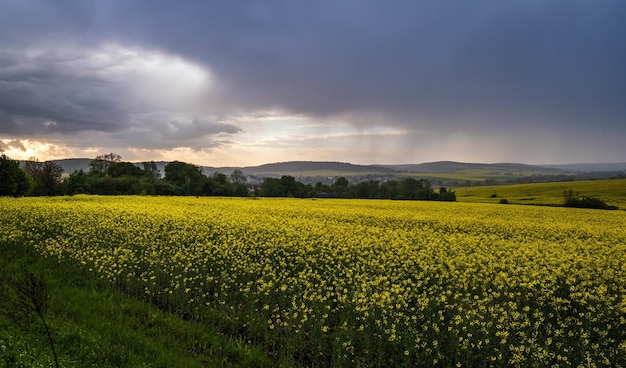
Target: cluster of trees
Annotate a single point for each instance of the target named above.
(575, 200)
(13, 180)
(407, 188)
(34, 178)
(109, 175)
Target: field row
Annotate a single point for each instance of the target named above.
(355, 282)
(613, 192)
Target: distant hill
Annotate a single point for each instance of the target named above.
(315, 168)
(73, 164)
(451, 167)
(444, 171)
(616, 166)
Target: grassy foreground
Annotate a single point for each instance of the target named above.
(94, 325)
(338, 283)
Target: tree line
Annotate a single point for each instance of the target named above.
(109, 175)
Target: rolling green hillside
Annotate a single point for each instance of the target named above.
(613, 192)
(459, 167)
(446, 173)
(458, 173)
(316, 168)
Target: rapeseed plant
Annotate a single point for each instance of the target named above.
(356, 282)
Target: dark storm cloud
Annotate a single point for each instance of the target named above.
(413, 64)
(181, 129)
(195, 127)
(51, 93)
(484, 63)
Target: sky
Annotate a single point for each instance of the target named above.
(243, 83)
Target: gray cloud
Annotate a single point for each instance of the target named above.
(180, 130)
(50, 93)
(437, 66)
(104, 89)
(444, 63)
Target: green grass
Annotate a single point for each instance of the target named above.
(95, 326)
(477, 175)
(613, 192)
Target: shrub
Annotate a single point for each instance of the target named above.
(572, 200)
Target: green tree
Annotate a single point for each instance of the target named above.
(341, 182)
(220, 178)
(50, 178)
(289, 186)
(445, 195)
(270, 187)
(574, 200)
(189, 178)
(240, 190)
(220, 186)
(393, 188)
(238, 177)
(415, 189)
(366, 189)
(77, 183)
(107, 185)
(13, 180)
(119, 169)
(101, 163)
(32, 166)
(151, 177)
(151, 170)
(324, 191)
(340, 186)
(46, 176)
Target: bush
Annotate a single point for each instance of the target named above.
(572, 200)
(589, 202)
(447, 196)
(504, 201)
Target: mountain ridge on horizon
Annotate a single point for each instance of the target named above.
(440, 167)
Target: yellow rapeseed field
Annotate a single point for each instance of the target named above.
(611, 191)
(358, 282)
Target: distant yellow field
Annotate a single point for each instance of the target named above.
(361, 282)
(477, 174)
(613, 192)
